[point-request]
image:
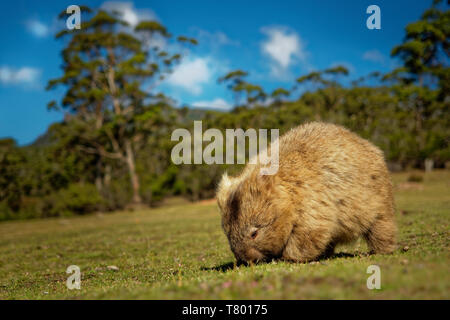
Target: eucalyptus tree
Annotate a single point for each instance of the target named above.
(425, 50)
(322, 90)
(422, 83)
(109, 71)
(236, 83)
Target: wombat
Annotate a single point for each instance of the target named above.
(331, 187)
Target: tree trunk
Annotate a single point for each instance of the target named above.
(98, 175)
(107, 176)
(429, 165)
(132, 171)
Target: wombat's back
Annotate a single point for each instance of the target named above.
(339, 183)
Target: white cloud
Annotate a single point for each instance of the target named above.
(129, 13)
(24, 75)
(191, 74)
(374, 56)
(217, 103)
(283, 46)
(37, 28)
(213, 39)
(222, 39)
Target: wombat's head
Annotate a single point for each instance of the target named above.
(256, 216)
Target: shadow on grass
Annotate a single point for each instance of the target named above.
(222, 268)
(232, 265)
(339, 255)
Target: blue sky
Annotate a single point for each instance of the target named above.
(275, 41)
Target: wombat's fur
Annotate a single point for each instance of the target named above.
(331, 188)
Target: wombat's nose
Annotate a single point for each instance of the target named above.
(253, 255)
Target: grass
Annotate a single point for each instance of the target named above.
(180, 252)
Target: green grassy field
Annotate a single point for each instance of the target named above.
(180, 252)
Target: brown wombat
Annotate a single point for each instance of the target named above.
(331, 187)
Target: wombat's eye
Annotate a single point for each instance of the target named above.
(254, 234)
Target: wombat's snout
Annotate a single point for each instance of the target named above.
(249, 255)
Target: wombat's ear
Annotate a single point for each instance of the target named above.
(225, 189)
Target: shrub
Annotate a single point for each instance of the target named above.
(117, 195)
(415, 178)
(76, 199)
(5, 212)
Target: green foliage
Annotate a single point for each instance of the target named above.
(236, 83)
(6, 213)
(187, 40)
(11, 174)
(337, 70)
(153, 27)
(280, 92)
(425, 50)
(75, 199)
(324, 78)
(234, 76)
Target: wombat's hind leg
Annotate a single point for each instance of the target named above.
(381, 236)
